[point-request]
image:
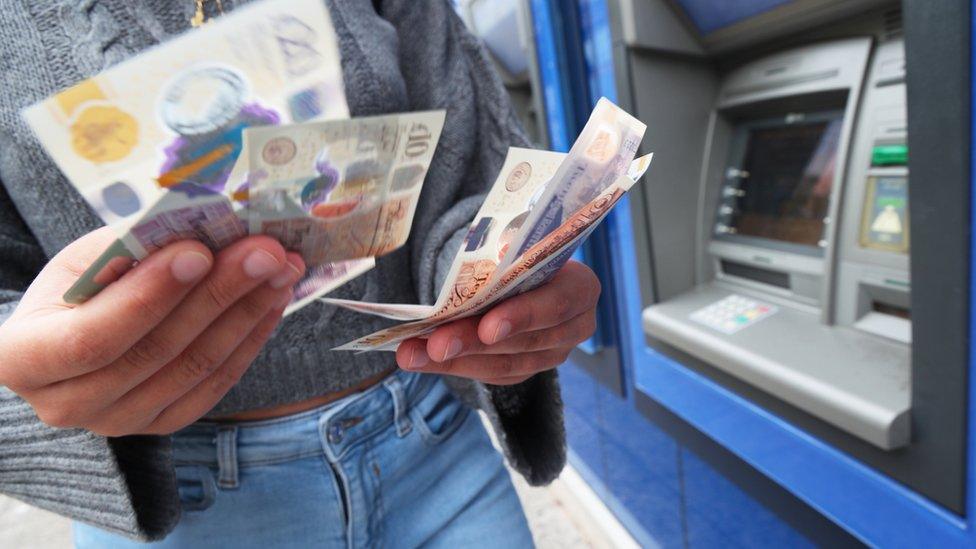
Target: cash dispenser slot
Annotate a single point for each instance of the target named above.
(884, 310)
(755, 274)
(803, 287)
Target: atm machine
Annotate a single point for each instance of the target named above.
(791, 282)
(802, 284)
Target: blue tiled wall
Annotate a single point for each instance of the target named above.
(663, 491)
(719, 514)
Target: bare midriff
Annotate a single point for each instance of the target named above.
(302, 405)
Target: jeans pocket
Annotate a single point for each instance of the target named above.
(439, 414)
(196, 486)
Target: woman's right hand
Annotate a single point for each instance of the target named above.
(157, 348)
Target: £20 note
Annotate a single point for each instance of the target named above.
(568, 196)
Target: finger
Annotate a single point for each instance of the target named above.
(187, 359)
(572, 291)
(296, 266)
(510, 380)
(411, 354)
(455, 339)
(238, 270)
(487, 368)
(213, 350)
(101, 330)
(568, 334)
(460, 338)
(202, 398)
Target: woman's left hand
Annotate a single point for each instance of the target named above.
(518, 338)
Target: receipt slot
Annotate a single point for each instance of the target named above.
(802, 287)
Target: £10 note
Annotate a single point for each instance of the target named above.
(340, 189)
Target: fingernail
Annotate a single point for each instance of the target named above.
(453, 348)
(288, 276)
(502, 329)
(189, 266)
(418, 359)
(260, 264)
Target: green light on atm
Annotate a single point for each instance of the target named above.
(889, 155)
(894, 202)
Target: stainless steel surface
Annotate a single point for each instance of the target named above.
(858, 382)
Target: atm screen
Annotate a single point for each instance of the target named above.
(781, 188)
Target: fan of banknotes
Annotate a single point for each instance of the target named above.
(245, 130)
(240, 127)
(539, 210)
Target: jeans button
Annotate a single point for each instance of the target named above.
(335, 433)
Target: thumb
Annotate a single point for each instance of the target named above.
(67, 266)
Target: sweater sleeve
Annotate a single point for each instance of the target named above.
(115, 484)
(527, 418)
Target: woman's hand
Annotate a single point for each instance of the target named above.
(520, 337)
(158, 347)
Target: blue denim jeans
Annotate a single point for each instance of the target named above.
(402, 464)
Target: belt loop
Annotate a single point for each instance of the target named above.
(227, 476)
(400, 417)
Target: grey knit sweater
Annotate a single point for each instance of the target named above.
(397, 55)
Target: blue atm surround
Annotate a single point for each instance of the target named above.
(712, 469)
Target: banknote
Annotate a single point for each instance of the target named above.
(114, 260)
(531, 269)
(208, 218)
(515, 191)
(340, 189)
(170, 121)
(325, 278)
(156, 144)
(335, 191)
(602, 153)
(393, 311)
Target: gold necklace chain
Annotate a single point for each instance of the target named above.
(199, 18)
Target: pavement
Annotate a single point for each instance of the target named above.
(26, 527)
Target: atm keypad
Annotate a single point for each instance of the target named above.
(733, 313)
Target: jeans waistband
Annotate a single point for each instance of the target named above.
(332, 429)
